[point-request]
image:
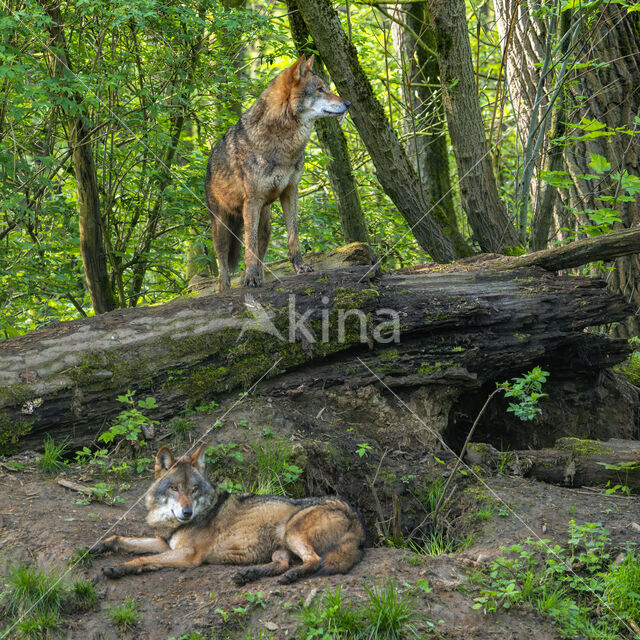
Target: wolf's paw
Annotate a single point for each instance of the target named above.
(114, 572)
(303, 267)
(243, 576)
(109, 544)
(288, 578)
(252, 277)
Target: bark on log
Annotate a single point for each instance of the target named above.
(351, 326)
(571, 462)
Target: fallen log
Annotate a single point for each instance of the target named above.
(351, 327)
(572, 462)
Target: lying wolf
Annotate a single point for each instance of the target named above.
(260, 159)
(204, 524)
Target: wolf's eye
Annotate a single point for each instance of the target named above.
(194, 491)
(173, 488)
(320, 89)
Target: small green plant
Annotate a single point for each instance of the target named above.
(52, 460)
(526, 390)
(33, 590)
(38, 626)
(330, 616)
(363, 449)
(98, 458)
(100, 492)
(389, 611)
(125, 616)
(180, 427)
(231, 487)
(84, 595)
(82, 557)
(621, 469)
(274, 466)
(256, 599)
(129, 423)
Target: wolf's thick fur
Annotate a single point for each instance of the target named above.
(202, 524)
(260, 159)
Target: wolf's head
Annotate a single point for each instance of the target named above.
(181, 489)
(308, 95)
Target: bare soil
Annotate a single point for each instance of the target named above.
(41, 523)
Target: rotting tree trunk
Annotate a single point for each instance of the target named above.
(334, 144)
(462, 327)
(571, 462)
(89, 217)
(485, 211)
(423, 121)
(398, 178)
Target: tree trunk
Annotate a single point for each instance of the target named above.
(423, 120)
(334, 144)
(89, 218)
(453, 331)
(607, 89)
(427, 221)
(485, 211)
(573, 462)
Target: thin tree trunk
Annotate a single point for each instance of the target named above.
(423, 120)
(334, 144)
(398, 178)
(485, 211)
(89, 217)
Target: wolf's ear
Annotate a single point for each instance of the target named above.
(298, 68)
(164, 461)
(197, 458)
(309, 64)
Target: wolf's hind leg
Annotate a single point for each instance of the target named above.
(300, 545)
(133, 545)
(222, 241)
(279, 564)
(179, 558)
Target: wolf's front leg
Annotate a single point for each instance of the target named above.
(289, 202)
(179, 558)
(253, 271)
(133, 545)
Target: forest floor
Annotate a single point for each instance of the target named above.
(41, 523)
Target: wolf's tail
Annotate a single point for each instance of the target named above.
(347, 552)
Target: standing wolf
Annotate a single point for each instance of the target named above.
(259, 159)
(201, 523)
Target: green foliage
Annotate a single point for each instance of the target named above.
(363, 449)
(129, 423)
(125, 616)
(630, 368)
(274, 470)
(526, 390)
(32, 590)
(578, 586)
(84, 594)
(34, 600)
(52, 460)
(387, 613)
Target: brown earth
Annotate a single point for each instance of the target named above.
(41, 523)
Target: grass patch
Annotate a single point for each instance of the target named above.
(52, 460)
(387, 613)
(84, 595)
(275, 470)
(30, 590)
(577, 586)
(125, 616)
(82, 558)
